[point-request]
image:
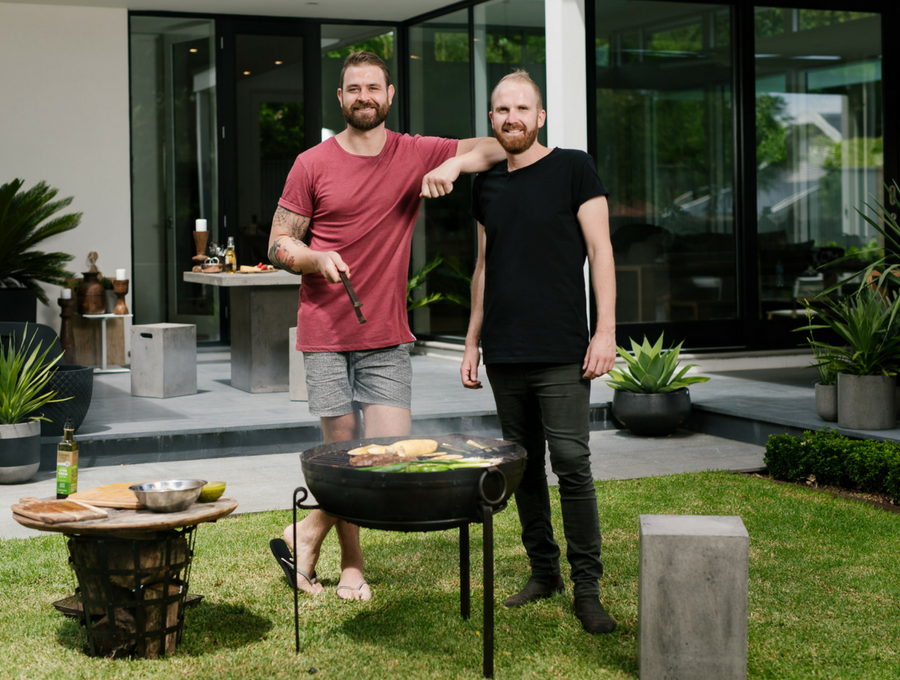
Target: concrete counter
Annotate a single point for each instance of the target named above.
(263, 309)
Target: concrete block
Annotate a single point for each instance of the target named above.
(297, 369)
(163, 360)
(692, 598)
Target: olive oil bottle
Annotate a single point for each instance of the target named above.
(67, 462)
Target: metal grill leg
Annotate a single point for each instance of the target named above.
(465, 586)
(488, 549)
(294, 584)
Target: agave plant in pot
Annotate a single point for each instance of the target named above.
(24, 374)
(867, 363)
(651, 395)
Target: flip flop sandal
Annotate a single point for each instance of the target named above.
(286, 561)
(357, 589)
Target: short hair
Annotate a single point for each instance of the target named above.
(365, 59)
(522, 76)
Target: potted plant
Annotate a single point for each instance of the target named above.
(24, 374)
(826, 387)
(26, 219)
(650, 398)
(867, 363)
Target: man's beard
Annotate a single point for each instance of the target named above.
(520, 144)
(356, 120)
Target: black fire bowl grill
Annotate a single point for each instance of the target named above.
(420, 501)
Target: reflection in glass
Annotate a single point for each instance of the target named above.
(174, 167)
(507, 35)
(664, 150)
(270, 133)
(819, 147)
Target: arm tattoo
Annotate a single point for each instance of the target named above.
(281, 256)
(291, 223)
(297, 226)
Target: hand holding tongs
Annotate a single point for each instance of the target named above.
(355, 300)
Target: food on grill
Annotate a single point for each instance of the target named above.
(449, 456)
(370, 459)
(432, 464)
(409, 448)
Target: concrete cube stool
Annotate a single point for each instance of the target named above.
(297, 369)
(692, 598)
(163, 360)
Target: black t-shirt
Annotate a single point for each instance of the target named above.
(534, 290)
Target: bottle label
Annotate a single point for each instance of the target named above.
(66, 476)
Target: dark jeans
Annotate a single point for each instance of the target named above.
(550, 403)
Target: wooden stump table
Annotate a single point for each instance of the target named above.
(133, 568)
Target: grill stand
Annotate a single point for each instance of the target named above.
(487, 520)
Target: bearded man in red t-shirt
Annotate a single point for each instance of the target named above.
(349, 206)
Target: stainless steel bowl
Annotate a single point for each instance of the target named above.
(170, 495)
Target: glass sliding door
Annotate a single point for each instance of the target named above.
(441, 105)
(269, 132)
(664, 150)
(819, 148)
(453, 66)
(174, 167)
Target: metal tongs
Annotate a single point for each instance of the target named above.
(355, 300)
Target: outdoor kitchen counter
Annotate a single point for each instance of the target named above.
(263, 309)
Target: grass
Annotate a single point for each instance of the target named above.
(823, 597)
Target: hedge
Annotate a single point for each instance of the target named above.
(835, 459)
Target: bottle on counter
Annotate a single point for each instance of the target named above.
(67, 462)
(230, 257)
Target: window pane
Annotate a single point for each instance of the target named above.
(664, 150)
(441, 105)
(818, 147)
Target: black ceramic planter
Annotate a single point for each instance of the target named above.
(652, 415)
(72, 381)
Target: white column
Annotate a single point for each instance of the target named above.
(565, 98)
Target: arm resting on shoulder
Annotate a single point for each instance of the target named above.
(288, 251)
(472, 155)
(593, 216)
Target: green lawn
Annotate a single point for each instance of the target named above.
(823, 597)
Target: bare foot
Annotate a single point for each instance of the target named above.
(353, 586)
(306, 559)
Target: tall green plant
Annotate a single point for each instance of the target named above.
(867, 322)
(879, 269)
(24, 374)
(652, 370)
(26, 219)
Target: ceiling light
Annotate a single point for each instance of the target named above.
(246, 73)
(278, 63)
(193, 49)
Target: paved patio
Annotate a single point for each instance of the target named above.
(252, 441)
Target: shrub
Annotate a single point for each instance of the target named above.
(835, 459)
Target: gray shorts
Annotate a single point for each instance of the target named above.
(335, 380)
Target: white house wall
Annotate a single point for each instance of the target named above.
(64, 120)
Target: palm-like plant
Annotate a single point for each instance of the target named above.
(24, 374)
(26, 219)
(879, 268)
(867, 323)
(652, 370)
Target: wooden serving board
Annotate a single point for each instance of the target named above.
(110, 496)
(58, 511)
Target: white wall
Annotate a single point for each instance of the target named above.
(566, 97)
(64, 120)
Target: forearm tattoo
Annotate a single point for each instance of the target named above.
(281, 252)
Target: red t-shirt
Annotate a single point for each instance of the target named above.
(364, 208)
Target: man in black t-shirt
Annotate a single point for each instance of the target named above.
(540, 214)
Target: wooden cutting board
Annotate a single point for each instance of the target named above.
(58, 511)
(110, 496)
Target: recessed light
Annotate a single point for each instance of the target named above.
(246, 73)
(193, 49)
(278, 63)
